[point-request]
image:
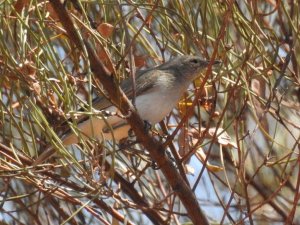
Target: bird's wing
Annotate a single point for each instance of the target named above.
(143, 83)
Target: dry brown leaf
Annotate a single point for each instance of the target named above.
(140, 61)
(105, 29)
(201, 156)
(28, 69)
(222, 137)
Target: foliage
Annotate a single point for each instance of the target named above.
(238, 149)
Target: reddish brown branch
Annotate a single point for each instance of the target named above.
(129, 189)
(154, 147)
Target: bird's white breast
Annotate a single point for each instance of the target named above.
(154, 106)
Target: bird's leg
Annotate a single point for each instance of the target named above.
(130, 133)
(155, 166)
(147, 126)
(126, 143)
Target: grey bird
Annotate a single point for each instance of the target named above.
(158, 90)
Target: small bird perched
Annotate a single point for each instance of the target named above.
(158, 90)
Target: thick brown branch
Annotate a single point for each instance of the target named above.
(129, 189)
(154, 147)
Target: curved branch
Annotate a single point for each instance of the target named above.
(155, 148)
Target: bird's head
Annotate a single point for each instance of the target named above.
(186, 68)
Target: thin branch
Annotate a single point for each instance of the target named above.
(155, 148)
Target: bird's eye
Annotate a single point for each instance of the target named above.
(194, 61)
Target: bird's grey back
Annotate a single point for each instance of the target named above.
(143, 83)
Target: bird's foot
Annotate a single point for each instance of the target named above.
(169, 156)
(147, 127)
(126, 143)
(154, 165)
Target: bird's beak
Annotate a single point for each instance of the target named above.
(217, 62)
